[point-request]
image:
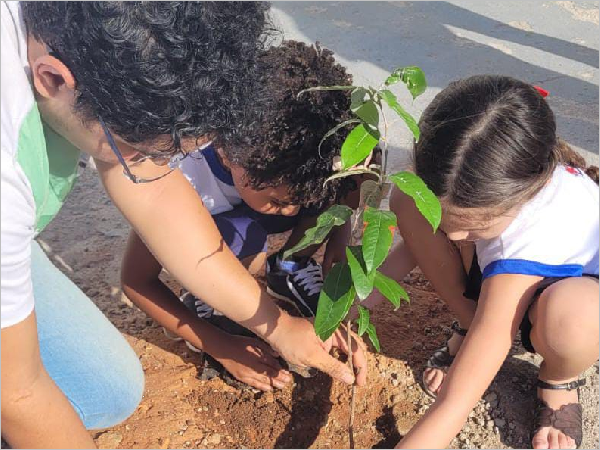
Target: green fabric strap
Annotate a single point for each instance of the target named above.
(50, 164)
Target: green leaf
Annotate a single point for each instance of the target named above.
(353, 171)
(377, 237)
(364, 319)
(409, 120)
(412, 76)
(363, 282)
(335, 216)
(357, 98)
(369, 113)
(335, 300)
(390, 289)
(358, 145)
(335, 130)
(426, 201)
(326, 88)
(371, 194)
(373, 337)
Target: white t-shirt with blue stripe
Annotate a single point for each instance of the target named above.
(554, 235)
(212, 181)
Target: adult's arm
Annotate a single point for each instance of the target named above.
(35, 412)
(503, 302)
(180, 232)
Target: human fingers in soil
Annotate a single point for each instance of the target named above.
(269, 379)
(272, 373)
(359, 353)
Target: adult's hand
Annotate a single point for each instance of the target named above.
(339, 339)
(295, 340)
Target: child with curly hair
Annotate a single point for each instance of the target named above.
(517, 249)
(272, 184)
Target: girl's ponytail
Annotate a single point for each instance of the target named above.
(564, 154)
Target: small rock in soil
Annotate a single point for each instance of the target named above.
(110, 439)
(492, 399)
(214, 439)
(500, 423)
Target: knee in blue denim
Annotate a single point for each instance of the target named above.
(120, 395)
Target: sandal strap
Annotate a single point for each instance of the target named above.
(568, 386)
(441, 359)
(457, 329)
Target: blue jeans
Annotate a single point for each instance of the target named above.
(83, 352)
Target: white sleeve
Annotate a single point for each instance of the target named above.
(554, 235)
(17, 230)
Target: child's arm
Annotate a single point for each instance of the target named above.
(247, 359)
(503, 302)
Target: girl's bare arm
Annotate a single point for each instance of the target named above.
(503, 302)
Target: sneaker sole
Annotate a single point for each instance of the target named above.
(285, 299)
(171, 336)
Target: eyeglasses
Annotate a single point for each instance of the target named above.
(159, 160)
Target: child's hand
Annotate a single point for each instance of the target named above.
(253, 362)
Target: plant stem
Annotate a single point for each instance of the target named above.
(353, 393)
(385, 148)
(353, 239)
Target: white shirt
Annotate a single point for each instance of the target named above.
(18, 204)
(554, 235)
(211, 180)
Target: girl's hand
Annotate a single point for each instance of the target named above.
(253, 362)
(502, 304)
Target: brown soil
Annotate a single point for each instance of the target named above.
(181, 411)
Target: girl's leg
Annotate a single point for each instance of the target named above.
(444, 265)
(565, 333)
(82, 351)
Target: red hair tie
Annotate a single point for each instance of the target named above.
(543, 92)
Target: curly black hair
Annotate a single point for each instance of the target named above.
(282, 147)
(155, 69)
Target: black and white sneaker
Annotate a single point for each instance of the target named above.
(299, 285)
(201, 309)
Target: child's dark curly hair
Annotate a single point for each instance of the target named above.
(282, 148)
(150, 69)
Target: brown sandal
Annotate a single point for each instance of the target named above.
(441, 358)
(568, 418)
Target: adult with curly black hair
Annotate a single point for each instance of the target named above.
(275, 182)
(132, 84)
